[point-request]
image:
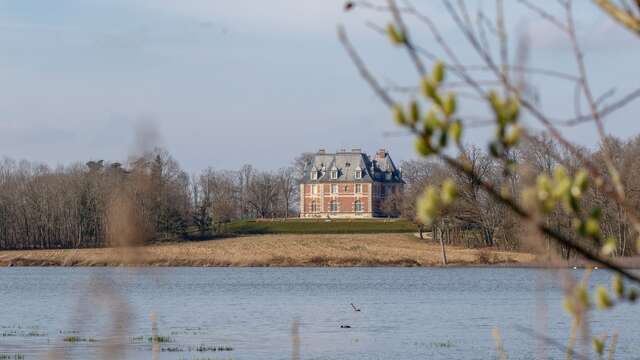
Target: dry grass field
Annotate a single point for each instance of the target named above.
(273, 250)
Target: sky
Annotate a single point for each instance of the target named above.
(226, 83)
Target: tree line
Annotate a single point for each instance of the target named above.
(148, 199)
(477, 220)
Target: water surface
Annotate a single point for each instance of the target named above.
(406, 313)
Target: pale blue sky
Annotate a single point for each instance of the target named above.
(234, 82)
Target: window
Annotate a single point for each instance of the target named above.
(314, 206)
(358, 188)
(314, 175)
(346, 188)
(333, 206)
(334, 188)
(334, 174)
(358, 173)
(357, 205)
(314, 189)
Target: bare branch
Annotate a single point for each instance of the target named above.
(366, 75)
(544, 14)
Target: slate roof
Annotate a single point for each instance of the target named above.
(374, 168)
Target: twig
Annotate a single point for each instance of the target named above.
(386, 99)
(407, 39)
(544, 14)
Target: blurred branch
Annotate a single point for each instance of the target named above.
(625, 18)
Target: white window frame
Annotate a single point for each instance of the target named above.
(314, 189)
(314, 206)
(334, 188)
(333, 206)
(314, 175)
(358, 174)
(358, 189)
(334, 174)
(357, 206)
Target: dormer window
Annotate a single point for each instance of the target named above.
(334, 173)
(358, 173)
(314, 174)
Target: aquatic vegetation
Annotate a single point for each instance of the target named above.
(11, 356)
(172, 349)
(441, 344)
(159, 339)
(206, 348)
(74, 338)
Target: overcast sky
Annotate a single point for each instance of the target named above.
(224, 83)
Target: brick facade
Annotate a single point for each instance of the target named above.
(348, 185)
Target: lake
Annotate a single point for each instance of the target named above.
(248, 313)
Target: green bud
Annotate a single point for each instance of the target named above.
(580, 227)
(455, 131)
(443, 140)
(603, 301)
(609, 246)
(394, 35)
(512, 109)
(449, 192)
(514, 136)
(561, 188)
(496, 105)
(560, 173)
(431, 120)
(580, 183)
(591, 227)
(617, 285)
(398, 115)
(427, 206)
(569, 306)
(495, 149)
(543, 184)
(598, 345)
(449, 106)
(582, 296)
(423, 147)
(428, 88)
(414, 111)
(438, 72)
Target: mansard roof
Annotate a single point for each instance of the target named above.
(379, 168)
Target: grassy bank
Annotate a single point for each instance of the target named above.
(273, 250)
(321, 226)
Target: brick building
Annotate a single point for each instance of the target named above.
(348, 184)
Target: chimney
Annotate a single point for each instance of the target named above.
(321, 151)
(381, 153)
(357, 150)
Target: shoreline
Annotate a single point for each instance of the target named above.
(290, 250)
